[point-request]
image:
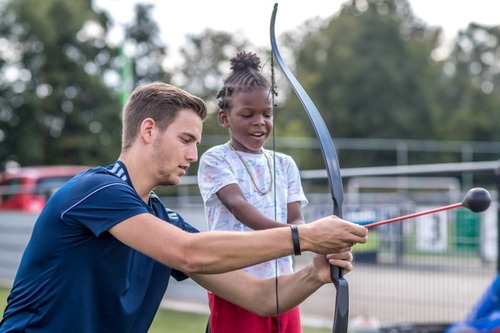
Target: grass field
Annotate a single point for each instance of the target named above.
(170, 321)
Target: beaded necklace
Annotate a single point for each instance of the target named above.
(250, 174)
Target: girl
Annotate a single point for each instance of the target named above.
(247, 187)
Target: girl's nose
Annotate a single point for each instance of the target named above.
(258, 120)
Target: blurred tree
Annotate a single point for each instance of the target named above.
(370, 73)
(54, 105)
(206, 61)
(204, 67)
(471, 103)
(370, 70)
(144, 48)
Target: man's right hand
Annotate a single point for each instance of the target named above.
(331, 234)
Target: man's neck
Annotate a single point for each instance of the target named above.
(138, 176)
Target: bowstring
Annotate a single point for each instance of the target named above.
(273, 92)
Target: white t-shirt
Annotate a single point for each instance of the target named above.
(220, 166)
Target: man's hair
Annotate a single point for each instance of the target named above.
(245, 76)
(159, 101)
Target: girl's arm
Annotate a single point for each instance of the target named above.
(295, 213)
(233, 198)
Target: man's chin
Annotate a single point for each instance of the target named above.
(171, 182)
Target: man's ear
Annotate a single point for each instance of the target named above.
(223, 118)
(148, 125)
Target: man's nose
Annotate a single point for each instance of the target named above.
(192, 154)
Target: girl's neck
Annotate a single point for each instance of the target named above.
(241, 148)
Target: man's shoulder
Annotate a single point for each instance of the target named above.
(95, 179)
(170, 215)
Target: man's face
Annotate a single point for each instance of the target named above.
(176, 148)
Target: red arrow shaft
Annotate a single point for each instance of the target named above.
(409, 216)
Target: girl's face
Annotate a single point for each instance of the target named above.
(249, 120)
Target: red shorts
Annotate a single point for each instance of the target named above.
(226, 317)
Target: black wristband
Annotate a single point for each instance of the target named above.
(295, 240)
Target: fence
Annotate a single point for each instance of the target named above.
(428, 270)
(15, 231)
(432, 269)
(400, 276)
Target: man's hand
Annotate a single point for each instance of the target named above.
(321, 264)
(331, 235)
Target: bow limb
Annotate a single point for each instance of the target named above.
(341, 318)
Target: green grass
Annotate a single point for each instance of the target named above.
(170, 320)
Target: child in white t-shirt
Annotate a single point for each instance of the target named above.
(247, 187)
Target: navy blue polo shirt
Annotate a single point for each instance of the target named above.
(74, 276)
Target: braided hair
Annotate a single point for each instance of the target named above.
(245, 76)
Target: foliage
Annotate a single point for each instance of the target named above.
(374, 72)
(146, 49)
(471, 102)
(371, 75)
(205, 65)
(371, 70)
(55, 106)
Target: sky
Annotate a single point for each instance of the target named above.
(177, 19)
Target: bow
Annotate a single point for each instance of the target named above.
(341, 317)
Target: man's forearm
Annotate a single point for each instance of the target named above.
(222, 251)
(289, 294)
(258, 295)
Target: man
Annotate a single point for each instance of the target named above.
(102, 252)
